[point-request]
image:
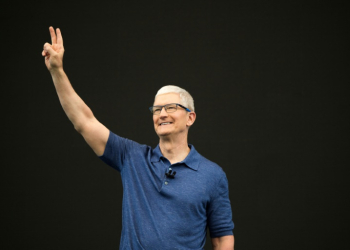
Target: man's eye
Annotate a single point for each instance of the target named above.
(156, 109)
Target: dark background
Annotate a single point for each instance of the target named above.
(269, 82)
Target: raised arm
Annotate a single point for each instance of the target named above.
(223, 243)
(94, 133)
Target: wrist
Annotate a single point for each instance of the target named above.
(56, 71)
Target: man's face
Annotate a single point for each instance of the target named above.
(175, 123)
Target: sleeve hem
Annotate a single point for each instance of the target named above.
(220, 234)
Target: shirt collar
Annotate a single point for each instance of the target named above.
(191, 160)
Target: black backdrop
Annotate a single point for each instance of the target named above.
(268, 79)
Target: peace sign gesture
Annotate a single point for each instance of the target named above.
(54, 52)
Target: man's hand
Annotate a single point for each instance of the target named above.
(54, 52)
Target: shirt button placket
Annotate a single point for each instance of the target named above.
(166, 181)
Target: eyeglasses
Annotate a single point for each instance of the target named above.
(169, 108)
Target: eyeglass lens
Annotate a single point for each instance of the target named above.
(169, 108)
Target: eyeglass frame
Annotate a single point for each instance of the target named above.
(163, 106)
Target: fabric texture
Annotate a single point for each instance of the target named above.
(164, 213)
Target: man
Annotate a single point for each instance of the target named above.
(171, 194)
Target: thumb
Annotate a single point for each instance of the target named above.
(48, 49)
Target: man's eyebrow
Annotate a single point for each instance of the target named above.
(161, 105)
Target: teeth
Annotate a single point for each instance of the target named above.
(165, 123)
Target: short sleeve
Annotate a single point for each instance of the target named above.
(219, 211)
(115, 151)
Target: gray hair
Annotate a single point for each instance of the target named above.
(185, 97)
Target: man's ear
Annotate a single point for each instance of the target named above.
(191, 118)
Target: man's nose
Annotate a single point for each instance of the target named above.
(163, 112)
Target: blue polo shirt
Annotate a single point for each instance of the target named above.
(161, 213)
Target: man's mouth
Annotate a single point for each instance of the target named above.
(165, 123)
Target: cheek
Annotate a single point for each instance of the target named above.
(154, 120)
(185, 121)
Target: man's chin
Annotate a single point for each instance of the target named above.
(162, 134)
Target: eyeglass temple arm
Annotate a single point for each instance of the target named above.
(188, 110)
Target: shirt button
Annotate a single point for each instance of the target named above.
(166, 183)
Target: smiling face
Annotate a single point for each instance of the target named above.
(172, 124)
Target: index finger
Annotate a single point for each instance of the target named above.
(59, 37)
(53, 35)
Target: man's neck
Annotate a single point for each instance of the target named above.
(174, 150)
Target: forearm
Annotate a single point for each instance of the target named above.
(223, 243)
(74, 107)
